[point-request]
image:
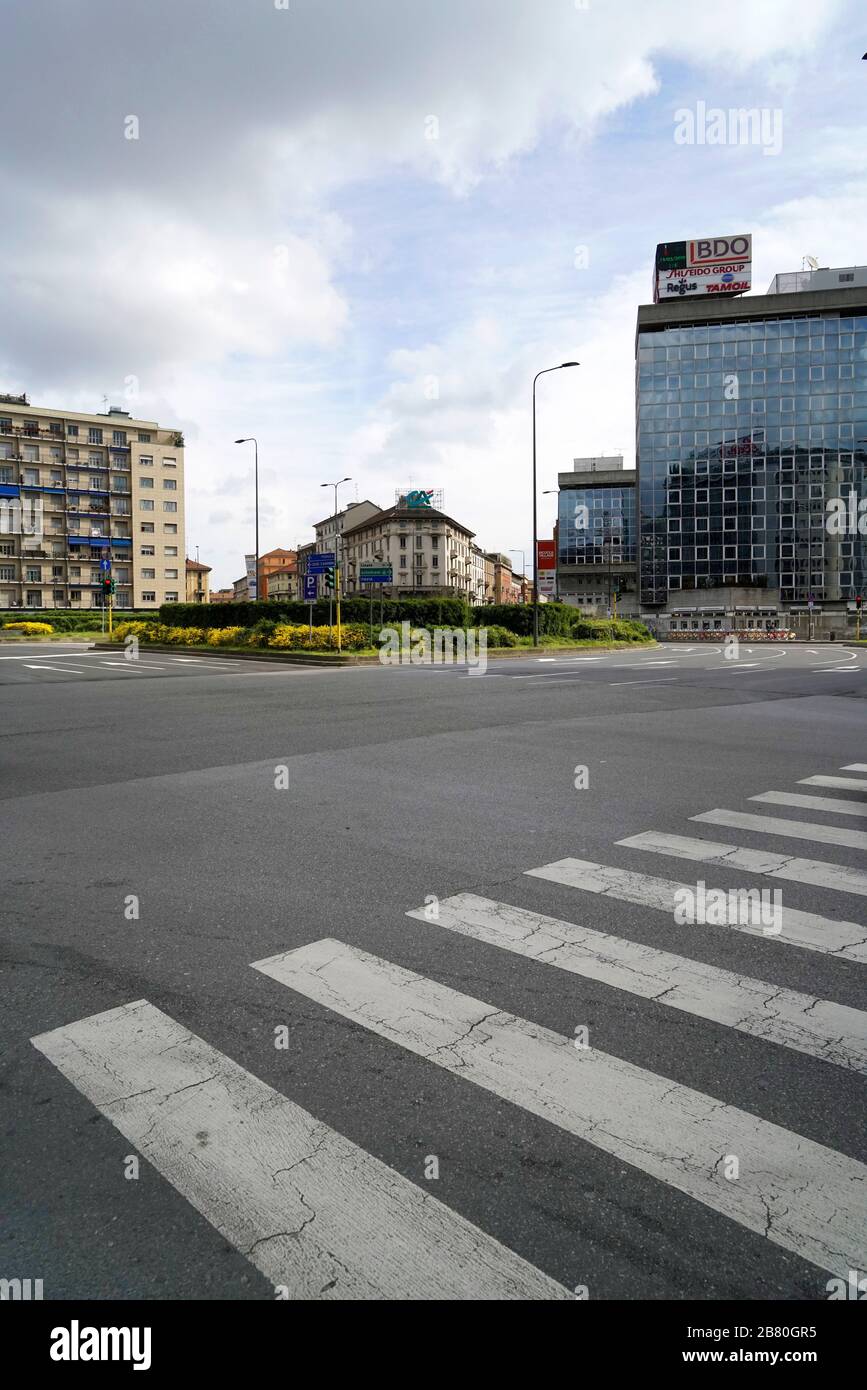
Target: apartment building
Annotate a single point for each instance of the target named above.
(79, 490)
(283, 584)
(430, 553)
(198, 584)
(272, 563)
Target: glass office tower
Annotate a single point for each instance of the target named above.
(751, 430)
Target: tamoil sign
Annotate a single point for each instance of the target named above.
(711, 265)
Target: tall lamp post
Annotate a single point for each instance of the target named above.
(337, 550)
(516, 550)
(255, 443)
(544, 372)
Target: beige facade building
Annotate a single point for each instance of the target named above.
(429, 552)
(77, 490)
(198, 583)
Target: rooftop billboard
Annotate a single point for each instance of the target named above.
(711, 265)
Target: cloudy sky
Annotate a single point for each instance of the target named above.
(356, 228)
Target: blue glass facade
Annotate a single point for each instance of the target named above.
(745, 432)
(593, 519)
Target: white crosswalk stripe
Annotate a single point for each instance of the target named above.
(834, 1032)
(319, 1215)
(797, 928)
(818, 872)
(791, 829)
(802, 1196)
(835, 805)
(852, 784)
(854, 767)
(310, 1209)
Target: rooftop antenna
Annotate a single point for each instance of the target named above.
(811, 262)
(105, 403)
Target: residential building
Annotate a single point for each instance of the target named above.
(430, 553)
(77, 490)
(239, 590)
(198, 584)
(283, 584)
(331, 529)
(596, 536)
(751, 432)
(271, 563)
(222, 596)
(502, 588)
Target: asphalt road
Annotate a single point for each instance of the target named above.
(172, 824)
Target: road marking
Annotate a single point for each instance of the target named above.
(835, 805)
(852, 784)
(854, 767)
(805, 929)
(71, 670)
(833, 1032)
(188, 660)
(836, 670)
(792, 829)
(804, 1197)
(817, 872)
(134, 665)
(306, 1206)
(667, 681)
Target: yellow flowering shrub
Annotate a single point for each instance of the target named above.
(226, 636)
(297, 636)
(29, 629)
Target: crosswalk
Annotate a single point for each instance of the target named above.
(324, 1219)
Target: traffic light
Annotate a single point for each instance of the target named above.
(858, 603)
(329, 578)
(107, 584)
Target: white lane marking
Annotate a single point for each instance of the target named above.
(133, 665)
(833, 1032)
(804, 1197)
(805, 929)
(836, 670)
(817, 872)
(546, 658)
(837, 806)
(667, 681)
(189, 660)
(70, 670)
(791, 829)
(854, 767)
(307, 1207)
(852, 784)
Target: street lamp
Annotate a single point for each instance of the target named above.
(337, 550)
(516, 550)
(544, 371)
(254, 442)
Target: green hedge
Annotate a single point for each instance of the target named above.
(71, 619)
(430, 612)
(555, 619)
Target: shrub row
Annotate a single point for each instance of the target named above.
(269, 632)
(555, 619)
(71, 620)
(278, 636)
